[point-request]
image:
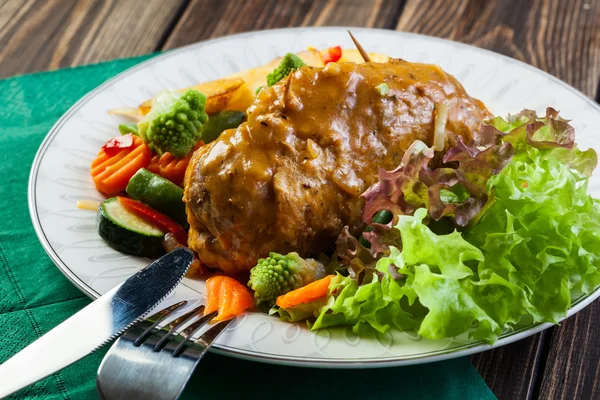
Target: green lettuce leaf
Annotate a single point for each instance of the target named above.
(434, 292)
(543, 231)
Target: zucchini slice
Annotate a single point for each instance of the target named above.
(128, 233)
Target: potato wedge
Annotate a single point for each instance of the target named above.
(352, 55)
(133, 114)
(217, 92)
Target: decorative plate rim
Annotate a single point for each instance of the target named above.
(440, 355)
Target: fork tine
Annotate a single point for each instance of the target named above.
(176, 324)
(207, 337)
(188, 332)
(157, 319)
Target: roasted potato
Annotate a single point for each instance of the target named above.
(355, 57)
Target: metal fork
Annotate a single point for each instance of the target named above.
(149, 362)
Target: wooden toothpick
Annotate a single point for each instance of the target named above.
(362, 51)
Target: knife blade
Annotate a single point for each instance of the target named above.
(97, 324)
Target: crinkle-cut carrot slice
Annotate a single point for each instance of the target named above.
(173, 168)
(111, 173)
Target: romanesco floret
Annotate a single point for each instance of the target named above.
(279, 274)
(289, 63)
(174, 124)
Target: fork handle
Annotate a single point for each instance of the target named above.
(130, 372)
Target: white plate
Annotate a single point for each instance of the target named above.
(60, 176)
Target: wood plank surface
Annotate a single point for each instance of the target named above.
(562, 38)
(512, 371)
(558, 36)
(41, 35)
(573, 365)
(204, 19)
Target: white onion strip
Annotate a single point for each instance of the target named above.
(439, 132)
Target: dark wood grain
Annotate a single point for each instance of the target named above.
(39, 35)
(573, 365)
(562, 38)
(511, 371)
(204, 19)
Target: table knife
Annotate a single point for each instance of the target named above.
(97, 324)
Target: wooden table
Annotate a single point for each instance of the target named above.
(560, 37)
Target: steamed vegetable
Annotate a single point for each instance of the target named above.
(170, 167)
(117, 162)
(279, 274)
(227, 296)
(126, 129)
(226, 119)
(332, 54)
(154, 217)
(158, 193)
(305, 294)
(289, 63)
(174, 124)
(127, 232)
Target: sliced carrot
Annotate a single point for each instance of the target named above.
(213, 293)
(174, 168)
(227, 296)
(305, 294)
(153, 166)
(170, 167)
(112, 170)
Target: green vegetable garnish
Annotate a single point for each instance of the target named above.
(128, 128)
(543, 231)
(217, 123)
(174, 124)
(158, 193)
(279, 274)
(383, 89)
(289, 63)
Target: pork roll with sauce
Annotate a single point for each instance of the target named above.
(290, 178)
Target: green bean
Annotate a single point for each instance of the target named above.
(226, 119)
(128, 128)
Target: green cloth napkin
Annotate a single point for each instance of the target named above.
(35, 296)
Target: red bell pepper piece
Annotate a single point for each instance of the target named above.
(154, 217)
(333, 54)
(116, 144)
